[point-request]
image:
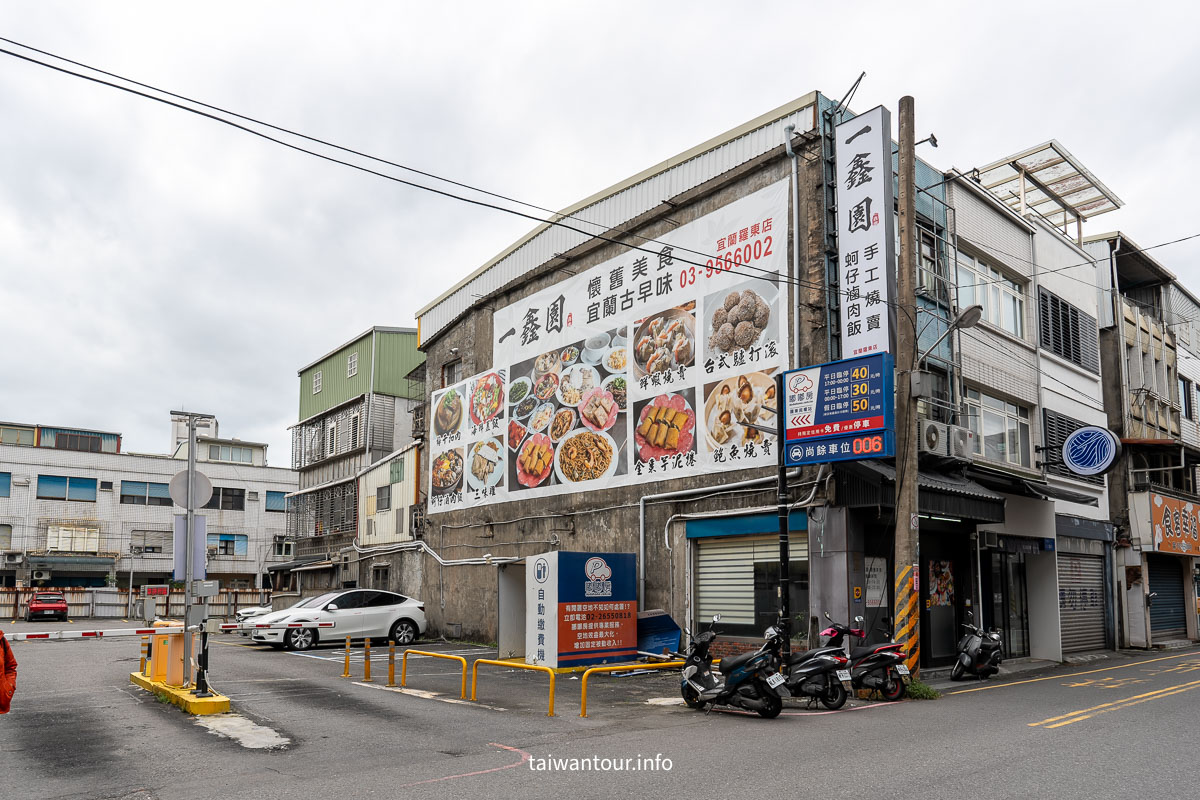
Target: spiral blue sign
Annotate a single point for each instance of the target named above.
(1091, 450)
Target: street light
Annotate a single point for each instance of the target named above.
(966, 318)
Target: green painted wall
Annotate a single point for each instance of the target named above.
(397, 356)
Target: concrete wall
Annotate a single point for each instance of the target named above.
(1041, 574)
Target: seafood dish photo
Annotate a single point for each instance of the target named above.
(598, 410)
(545, 363)
(545, 386)
(541, 417)
(486, 398)
(569, 356)
(585, 456)
(447, 471)
(737, 403)
(487, 460)
(739, 321)
(563, 422)
(575, 383)
(665, 426)
(616, 360)
(664, 342)
(449, 414)
(535, 460)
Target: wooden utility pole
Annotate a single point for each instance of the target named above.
(907, 548)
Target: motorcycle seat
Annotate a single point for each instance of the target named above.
(730, 663)
(800, 658)
(861, 652)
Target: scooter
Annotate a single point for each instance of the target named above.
(750, 680)
(820, 674)
(878, 667)
(979, 652)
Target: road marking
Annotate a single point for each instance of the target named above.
(428, 696)
(524, 758)
(1072, 674)
(1104, 708)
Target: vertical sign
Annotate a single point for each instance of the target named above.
(866, 232)
(199, 547)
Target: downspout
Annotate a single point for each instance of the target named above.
(795, 315)
(678, 494)
(370, 399)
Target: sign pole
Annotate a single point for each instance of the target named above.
(907, 623)
(785, 590)
(191, 538)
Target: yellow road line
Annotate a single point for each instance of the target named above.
(1073, 674)
(1104, 708)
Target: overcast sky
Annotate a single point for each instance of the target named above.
(152, 259)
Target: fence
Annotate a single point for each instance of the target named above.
(113, 602)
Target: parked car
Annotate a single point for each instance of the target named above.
(248, 613)
(46, 605)
(357, 613)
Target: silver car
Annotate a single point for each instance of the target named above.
(357, 613)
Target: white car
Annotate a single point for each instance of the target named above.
(248, 613)
(357, 613)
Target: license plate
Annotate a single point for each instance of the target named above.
(903, 670)
(47, 613)
(843, 675)
(775, 681)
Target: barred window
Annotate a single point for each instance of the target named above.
(1068, 332)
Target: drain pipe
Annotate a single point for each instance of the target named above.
(677, 495)
(795, 315)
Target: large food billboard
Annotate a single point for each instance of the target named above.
(657, 364)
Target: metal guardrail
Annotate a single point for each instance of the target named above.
(618, 668)
(463, 694)
(511, 665)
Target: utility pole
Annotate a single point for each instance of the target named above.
(189, 567)
(907, 621)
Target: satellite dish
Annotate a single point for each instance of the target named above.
(202, 490)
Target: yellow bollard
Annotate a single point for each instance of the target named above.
(346, 671)
(367, 660)
(145, 645)
(391, 664)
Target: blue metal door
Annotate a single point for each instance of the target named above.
(1167, 609)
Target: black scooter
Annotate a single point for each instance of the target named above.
(979, 652)
(750, 680)
(879, 667)
(821, 674)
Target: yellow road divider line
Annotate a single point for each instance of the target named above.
(1072, 674)
(1104, 708)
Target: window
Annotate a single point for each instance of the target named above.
(354, 431)
(398, 470)
(229, 544)
(383, 498)
(317, 382)
(77, 441)
(330, 437)
(351, 365)
(418, 520)
(241, 455)
(379, 577)
(59, 487)
(1001, 428)
(152, 542)
(139, 493)
(5, 537)
(1186, 404)
(283, 549)
(1057, 428)
(66, 539)
(451, 372)
(1003, 300)
(931, 266)
(350, 599)
(226, 499)
(276, 501)
(18, 436)
(1068, 332)
(5, 484)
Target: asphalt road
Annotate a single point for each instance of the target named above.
(78, 729)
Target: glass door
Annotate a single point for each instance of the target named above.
(1010, 607)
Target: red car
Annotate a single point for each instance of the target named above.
(46, 605)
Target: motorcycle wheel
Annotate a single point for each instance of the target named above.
(774, 705)
(835, 697)
(691, 698)
(893, 689)
(957, 671)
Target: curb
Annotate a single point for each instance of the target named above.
(199, 706)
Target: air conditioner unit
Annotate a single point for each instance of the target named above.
(251, 495)
(962, 442)
(212, 550)
(13, 558)
(41, 575)
(991, 539)
(136, 549)
(933, 437)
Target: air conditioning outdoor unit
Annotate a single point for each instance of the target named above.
(41, 574)
(13, 558)
(933, 437)
(991, 539)
(962, 442)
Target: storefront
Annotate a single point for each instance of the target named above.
(1168, 619)
(1085, 601)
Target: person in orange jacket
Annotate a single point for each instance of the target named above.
(8, 673)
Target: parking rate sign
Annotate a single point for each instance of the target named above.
(840, 411)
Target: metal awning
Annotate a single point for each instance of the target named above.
(1048, 492)
(290, 565)
(68, 562)
(1049, 180)
(861, 484)
(314, 566)
(1002, 481)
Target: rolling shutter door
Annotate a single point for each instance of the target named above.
(1167, 609)
(1081, 602)
(725, 573)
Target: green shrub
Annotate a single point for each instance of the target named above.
(922, 691)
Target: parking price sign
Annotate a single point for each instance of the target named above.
(840, 411)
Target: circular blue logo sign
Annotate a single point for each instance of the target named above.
(1091, 450)
(541, 570)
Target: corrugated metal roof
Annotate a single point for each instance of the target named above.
(619, 204)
